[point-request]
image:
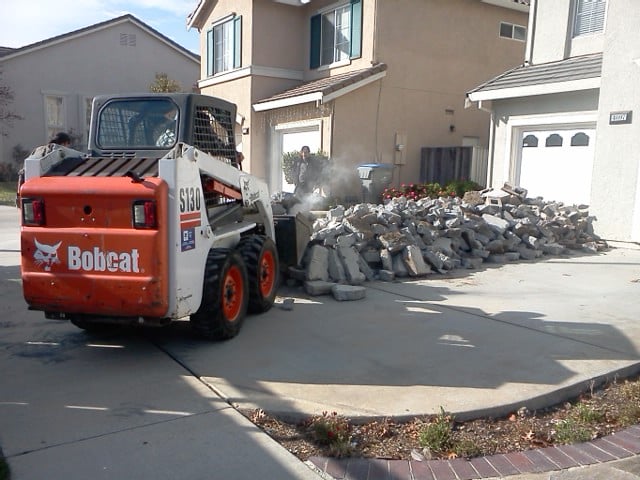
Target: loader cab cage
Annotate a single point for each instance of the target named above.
(149, 125)
(138, 124)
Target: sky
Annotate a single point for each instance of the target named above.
(23, 22)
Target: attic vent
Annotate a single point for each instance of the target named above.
(128, 39)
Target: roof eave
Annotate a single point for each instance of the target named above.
(533, 90)
(317, 96)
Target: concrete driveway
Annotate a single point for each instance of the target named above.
(474, 343)
(117, 406)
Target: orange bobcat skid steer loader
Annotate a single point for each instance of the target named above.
(156, 223)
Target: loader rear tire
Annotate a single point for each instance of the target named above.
(225, 296)
(261, 258)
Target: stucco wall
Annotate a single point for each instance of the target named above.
(81, 68)
(455, 46)
(616, 194)
(553, 38)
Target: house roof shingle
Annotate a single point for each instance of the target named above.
(567, 70)
(97, 26)
(328, 85)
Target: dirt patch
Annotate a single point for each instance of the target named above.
(594, 414)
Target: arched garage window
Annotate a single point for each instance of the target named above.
(580, 139)
(530, 141)
(554, 140)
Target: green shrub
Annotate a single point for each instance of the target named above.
(334, 431)
(571, 431)
(437, 435)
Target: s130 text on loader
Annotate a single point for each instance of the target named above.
(155, 223)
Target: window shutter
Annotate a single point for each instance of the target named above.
(314, 51)
(210, 53)
(237, 42)
(356, 28)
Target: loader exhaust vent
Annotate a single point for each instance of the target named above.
(108, 167)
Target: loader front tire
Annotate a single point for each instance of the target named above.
(261, 258)
(225, 296)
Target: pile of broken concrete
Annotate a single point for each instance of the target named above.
(414, 238)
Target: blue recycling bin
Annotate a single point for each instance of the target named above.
(375, 177)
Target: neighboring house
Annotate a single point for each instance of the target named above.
(362, 80)
(55, 80)
(563, 125)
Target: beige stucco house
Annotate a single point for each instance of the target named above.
(563, 125)
(366, 81)
(55, 80)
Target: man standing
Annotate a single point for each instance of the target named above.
(302, 174)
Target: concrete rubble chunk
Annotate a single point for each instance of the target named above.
(394, 241)
(386, 259)
(408, 237)
(386, 275)
(365, 269)
(344, 293)
(318, 287)
(335, 267)
(500, 225)
(317, 268)
(415, 263)
(350, 261)
(399, 267)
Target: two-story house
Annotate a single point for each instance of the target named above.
(54, 81)
(365, 81)
(562, 125)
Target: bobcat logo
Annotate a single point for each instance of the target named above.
(46, 255)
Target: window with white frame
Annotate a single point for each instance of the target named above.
(516, 32)
(54, 114)
(224, 46)
(336, 34)
(589, 17)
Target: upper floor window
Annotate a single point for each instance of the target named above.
(223, 46)
(509, 30)
(589, 17)
(336, 34)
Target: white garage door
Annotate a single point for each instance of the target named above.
(557, 164)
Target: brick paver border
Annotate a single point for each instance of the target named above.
(620, 445)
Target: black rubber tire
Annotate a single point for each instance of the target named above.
(225, 296)
(261, 258)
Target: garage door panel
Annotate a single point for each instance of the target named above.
(557, 164)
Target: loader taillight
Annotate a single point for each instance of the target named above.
(32, 212)
(144, 214)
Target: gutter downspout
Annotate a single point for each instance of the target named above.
(492, 142)
(531, 32)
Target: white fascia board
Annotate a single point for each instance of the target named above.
(510, 4)
(532, 90)
(353, 86)
(193, 18)
(288, 102)
(281, 73)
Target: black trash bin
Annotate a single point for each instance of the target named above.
(375, 177)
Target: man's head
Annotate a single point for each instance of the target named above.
(61, 138)
(305, 152)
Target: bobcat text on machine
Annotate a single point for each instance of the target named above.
(156, 223)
